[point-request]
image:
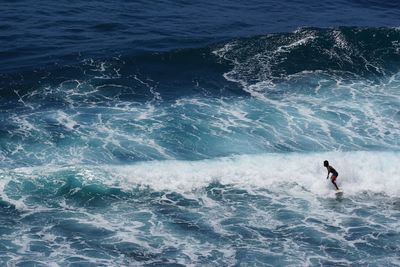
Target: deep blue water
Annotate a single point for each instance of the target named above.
(193, 134)
(47, 32)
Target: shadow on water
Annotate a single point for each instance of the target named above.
(339, 196)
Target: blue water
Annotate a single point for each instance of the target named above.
(193, 134)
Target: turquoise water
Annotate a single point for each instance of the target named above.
(256, 210)
(204, 156)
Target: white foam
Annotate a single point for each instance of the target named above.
(358, 172)
(65, 120)
(288, 47)
(361, 171)
(25, 127)
(371, 106)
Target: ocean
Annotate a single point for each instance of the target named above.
(182, 133)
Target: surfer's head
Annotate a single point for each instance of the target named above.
(326, 163)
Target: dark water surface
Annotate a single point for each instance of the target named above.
(44, 32)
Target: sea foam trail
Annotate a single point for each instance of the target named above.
(374, 172)
(358, 172)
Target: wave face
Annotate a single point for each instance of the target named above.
(207, 156)
(58, 32)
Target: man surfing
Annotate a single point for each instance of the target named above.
(334, 173)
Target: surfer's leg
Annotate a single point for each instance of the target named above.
(337, 188)
(333, 179)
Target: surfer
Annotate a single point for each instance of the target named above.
(334, 173)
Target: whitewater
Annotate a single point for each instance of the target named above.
(274, 209)
(209, 156)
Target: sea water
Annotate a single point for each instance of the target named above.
(182, 134)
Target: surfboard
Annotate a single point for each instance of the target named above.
(339, 192)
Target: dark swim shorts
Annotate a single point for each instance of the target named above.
(333, 178)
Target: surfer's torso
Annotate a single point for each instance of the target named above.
(333, 171)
